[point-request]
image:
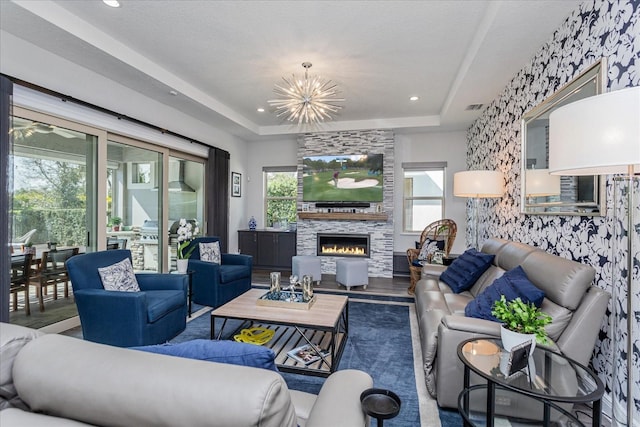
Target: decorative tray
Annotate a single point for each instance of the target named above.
(284, 299)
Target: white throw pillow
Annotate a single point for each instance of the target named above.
(429, 247)
(210, 252)
(119, 277)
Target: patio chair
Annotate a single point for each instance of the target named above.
(153, 315)
(20, 272)
(442, 230)
(115, 243)
(51, 272)
(23, 240)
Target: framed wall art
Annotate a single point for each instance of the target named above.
(236, 184)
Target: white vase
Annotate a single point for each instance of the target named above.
(511, 339)
(182, 265)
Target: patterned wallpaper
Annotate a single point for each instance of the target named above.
(599, 28)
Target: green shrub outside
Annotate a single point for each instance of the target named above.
(67, 227)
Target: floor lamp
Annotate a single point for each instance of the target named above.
(478, 184)
(600, 135)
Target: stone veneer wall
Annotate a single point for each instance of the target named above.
(596, 29)
(381, 232)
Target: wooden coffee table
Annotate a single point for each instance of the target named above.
(324, 325)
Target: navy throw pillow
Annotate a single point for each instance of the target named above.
(466, 269)
(232, 352)
(512, 284)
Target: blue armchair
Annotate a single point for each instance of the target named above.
(215, 284)
(125, 319)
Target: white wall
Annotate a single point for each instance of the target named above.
(265, 153)
(447, 147)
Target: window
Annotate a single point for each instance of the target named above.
(423, 194)
(281, 192)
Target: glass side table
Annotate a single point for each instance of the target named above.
(555, 381)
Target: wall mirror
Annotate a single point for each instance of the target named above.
(544, 194)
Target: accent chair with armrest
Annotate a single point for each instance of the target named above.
(445, 230)
(125, 319)
(216, 284)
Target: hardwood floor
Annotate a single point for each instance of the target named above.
(55, 310)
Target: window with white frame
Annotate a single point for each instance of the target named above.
(281, 192)
(423, 194)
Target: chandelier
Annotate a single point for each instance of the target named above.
(309, 100)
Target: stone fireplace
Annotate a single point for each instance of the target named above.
(379, 230)
(343, 245)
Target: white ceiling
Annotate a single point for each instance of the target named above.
(224, 57)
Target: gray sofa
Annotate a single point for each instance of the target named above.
(71, 382)
(576, 307)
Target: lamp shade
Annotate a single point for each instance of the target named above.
(478, 183)
(598, 135)
(540, 183)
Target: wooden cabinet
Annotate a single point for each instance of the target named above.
(248, 243)
(269, 248)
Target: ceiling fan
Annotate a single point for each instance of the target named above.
(23, 129)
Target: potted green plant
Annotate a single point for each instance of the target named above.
(521, 322)
(116, 221)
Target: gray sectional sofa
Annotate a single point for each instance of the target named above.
(66, 381)
(575, 305)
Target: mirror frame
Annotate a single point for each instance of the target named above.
(596, 73)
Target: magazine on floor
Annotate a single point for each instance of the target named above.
(306, 354)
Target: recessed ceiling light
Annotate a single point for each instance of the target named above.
(111, 3)
(260, 110)
(414, 98)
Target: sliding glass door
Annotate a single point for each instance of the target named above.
(54, 204)
(134, 202)
(185, 197)
(75, 186)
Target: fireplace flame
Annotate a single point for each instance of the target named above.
(343, 250)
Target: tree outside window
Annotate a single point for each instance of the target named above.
(280, 196)
(50, 196)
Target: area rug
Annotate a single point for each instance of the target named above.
(382, 341)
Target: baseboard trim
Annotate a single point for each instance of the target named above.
(61, 326)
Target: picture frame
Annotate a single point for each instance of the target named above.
(437, 257)
(518, 358)
(236, 184)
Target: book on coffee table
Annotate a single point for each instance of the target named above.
(306, 354)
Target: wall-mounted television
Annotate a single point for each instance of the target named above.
(342, 178)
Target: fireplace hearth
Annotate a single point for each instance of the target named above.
(343, 245)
